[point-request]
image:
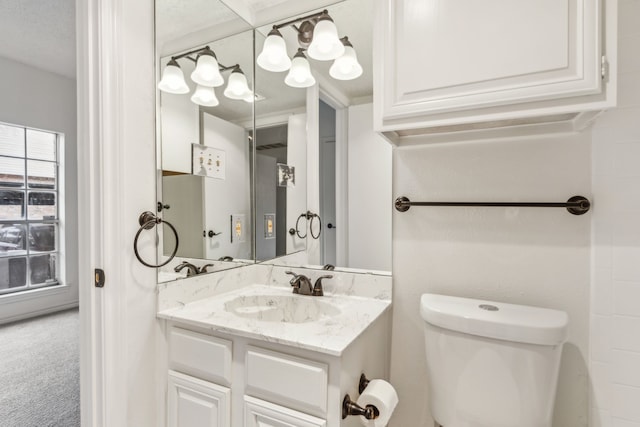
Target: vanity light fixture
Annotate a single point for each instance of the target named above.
(325, 44)
(300, 73)
(347, 66)
(173, 79)
(237, 87)
(207, 75)
(274, 55)
(205, 96)
(318, 35)
(207, 72)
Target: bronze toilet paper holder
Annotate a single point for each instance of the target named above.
(350, 407)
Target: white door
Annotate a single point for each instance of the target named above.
(258, 413)
(197, 403)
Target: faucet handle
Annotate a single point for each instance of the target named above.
(203, 269)
(317, 287)
(295, 276)
(295, 282)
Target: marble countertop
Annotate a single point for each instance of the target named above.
(328, 333)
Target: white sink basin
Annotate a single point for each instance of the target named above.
(281, 308)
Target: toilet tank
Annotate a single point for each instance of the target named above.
(491, 364)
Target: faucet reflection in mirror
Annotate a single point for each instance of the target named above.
(207, 75)
(318, 36)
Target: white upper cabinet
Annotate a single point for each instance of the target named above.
(452, 65)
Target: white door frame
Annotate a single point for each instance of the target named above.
(98, 92)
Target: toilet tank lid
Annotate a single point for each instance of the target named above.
(510, 322)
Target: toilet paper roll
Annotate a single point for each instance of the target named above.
(383, 396)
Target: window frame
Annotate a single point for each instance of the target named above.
(29, 253)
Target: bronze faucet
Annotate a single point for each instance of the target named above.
(302, 284)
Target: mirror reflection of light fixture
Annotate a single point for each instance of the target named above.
(173, 79)
(205, 96)
(318, 35)
(274, 55)
(325, 45)
(207, 71)
(347, 66)
(237, 87)
(207, 74)
(300, 73)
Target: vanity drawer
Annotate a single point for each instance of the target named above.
(287, 380)
(200, 355)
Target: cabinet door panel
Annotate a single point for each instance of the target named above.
(287, 380)
(196, 403)
(258, 413)
(201, 355)
(449, 55)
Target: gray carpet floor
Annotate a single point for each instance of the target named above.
(39, 372)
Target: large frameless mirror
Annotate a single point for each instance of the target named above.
(204, 136)
(346, 221)
(282, 166)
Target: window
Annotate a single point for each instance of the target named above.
(28, 208)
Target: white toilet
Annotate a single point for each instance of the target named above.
(491, 364)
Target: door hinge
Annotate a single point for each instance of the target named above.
(99, 278)
(604, 67)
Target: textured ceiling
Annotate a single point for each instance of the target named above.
(40, 33)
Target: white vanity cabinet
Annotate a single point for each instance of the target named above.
(193, 402)
(460, 65)
(218, 379)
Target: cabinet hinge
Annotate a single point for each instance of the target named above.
(604, 67)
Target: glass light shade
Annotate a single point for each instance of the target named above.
(300, 73)
(237, 87)
(347, 66)
(249, 97)
(205, 96)
(325, 45)
(172, 79)
(207, 72)
(274, 53)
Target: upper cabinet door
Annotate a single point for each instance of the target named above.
(439, 57)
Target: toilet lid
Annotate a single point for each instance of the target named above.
(510, 322)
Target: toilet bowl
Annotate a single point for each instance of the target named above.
(491, 364)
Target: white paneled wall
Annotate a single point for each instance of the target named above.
(615, 323)
(526, 256)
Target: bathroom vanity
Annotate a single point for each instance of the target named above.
(260, 355)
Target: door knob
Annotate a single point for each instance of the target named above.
(331, 225)
(211, 233)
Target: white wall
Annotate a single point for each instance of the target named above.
(370, 198)
(36, 98)
(530, 256)
(615, 322)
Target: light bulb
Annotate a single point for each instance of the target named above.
(346, 67)
(300, 72)
(173, 79)
(207, 71)
(274, 53)
(325, 45)
(237, 87)
(205, 96)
